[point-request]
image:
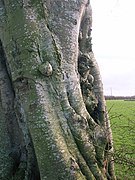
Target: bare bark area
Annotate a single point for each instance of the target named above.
(51, 90)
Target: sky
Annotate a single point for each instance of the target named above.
(113, 38)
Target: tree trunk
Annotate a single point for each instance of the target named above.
(53, 117)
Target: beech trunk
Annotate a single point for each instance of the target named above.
(54, 124)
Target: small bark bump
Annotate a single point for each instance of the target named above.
(46, 69)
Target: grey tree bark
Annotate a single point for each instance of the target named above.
(54, 124)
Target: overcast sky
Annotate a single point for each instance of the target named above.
(114, 44)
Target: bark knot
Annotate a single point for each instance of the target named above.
(46, 69)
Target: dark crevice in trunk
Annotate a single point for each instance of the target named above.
(20, 143)
(92, 91)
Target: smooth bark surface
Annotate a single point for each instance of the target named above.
(53, 117)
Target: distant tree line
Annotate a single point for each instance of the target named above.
(131, 98)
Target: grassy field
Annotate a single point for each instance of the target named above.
(122, 117)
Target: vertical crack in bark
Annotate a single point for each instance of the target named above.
(21, 144)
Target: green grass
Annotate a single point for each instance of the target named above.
(122, 117)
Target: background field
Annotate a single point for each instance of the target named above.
(122, 116)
